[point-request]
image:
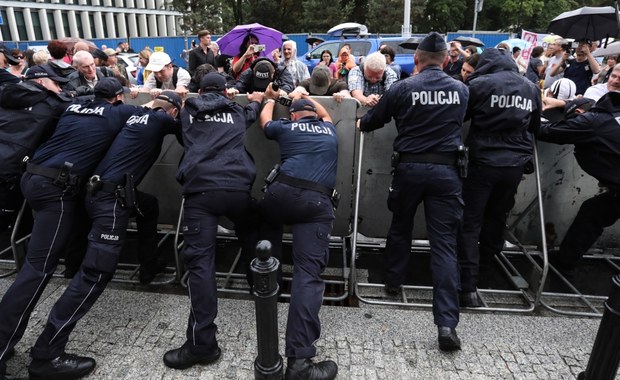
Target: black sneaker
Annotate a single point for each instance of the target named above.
(305, 369)
(64, 367)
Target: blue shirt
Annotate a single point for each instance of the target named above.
(308, 148)
(137, 146)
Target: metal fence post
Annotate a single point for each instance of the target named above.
(605, 356)
(268, 363)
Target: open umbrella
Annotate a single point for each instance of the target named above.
(592, 23)
(347, 28)
(467, 41)
(411, 43)
(611, 49)
(230, 43)
(313, 40)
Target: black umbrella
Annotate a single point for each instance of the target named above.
(313, 40)
(467, 41)
(411, 43)
(592, 23)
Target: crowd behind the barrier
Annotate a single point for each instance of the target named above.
(466, 122)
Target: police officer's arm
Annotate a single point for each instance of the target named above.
(253, 108)
(379, 115)
(575, 130)
(321, 112)
(266, 115)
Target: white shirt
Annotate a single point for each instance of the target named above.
(596, 92)
(183, 79)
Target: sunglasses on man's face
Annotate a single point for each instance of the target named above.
(18, 56)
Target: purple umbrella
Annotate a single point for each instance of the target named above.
(230, 43)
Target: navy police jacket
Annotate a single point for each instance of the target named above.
(596, 135)
(137, 145)
(83, 135)
(502, 106)
(214, 130)
(428, 110)
(28, 115)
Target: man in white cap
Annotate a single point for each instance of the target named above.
(165, 76)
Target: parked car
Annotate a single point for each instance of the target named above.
(129, 61)
(361, 47)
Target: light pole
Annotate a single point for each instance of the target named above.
(477, 8)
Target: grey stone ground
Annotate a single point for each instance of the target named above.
(128, 331)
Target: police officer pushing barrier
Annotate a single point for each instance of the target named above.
(53, 185)
(596, 135)
(301, 193)
(502, 106)
(36, 103)
(217, 174)
(428, 160)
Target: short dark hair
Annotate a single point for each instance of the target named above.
(515, 49)
(57, 49)
(537, 51)
(385, 49)
(203, 33)
(472, 60)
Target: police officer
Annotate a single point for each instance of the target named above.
(428, 109)
(216, 174)
(502, 106)
(29, 112)
(52, 185)
(596, 136)
(301, 196)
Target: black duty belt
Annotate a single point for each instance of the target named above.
(305, 184)
(60, 176)
(430, 158)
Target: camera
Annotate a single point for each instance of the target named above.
(570, 46)
(259, 48)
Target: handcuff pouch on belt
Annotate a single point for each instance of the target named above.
(126, 195)
(271, 176)
(62, 178)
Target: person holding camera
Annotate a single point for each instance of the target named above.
(298, 69)
(580, 68)
(456, 61)
(248, 52)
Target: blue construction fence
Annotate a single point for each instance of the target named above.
(174, 46)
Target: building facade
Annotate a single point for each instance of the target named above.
(89, 19)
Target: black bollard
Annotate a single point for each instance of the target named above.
(605, 356)
(268, 363)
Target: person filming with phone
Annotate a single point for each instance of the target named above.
(248, 52)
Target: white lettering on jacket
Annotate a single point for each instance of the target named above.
(78, 109)
(311, 128)
(511, 101)
(435, 97)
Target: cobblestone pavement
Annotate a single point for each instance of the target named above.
(128, 331)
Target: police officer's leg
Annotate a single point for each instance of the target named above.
(10, 202)
(443, 207)
(77, 244)
(594, 215)
(403, 201)
(146, 220)
(310, 257)
(496, 213)
(55, 208)
(105, 242)
(201, 213)
(247, 226)
(477, 189)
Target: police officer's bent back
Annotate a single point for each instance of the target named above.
(36, 103)
(301, 196)
(596, 135)
(217, 174)
(502, 106)
(52, 185)
(428, 110)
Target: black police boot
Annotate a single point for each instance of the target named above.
(470, 299)
(182, 357)
(392, 290)
(3, 371)
(149, 271)
(448, 340)
(64, 367)
(305, 369)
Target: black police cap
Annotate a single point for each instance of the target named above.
(433, 42)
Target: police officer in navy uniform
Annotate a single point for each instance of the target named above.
(109, 202)
(596, 135)
(301, 196)
(502, 106)
(217, 174)
(29, 112)
(52, 187)
(428, 109)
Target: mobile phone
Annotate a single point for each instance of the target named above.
(258, 48)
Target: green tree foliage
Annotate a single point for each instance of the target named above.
(200, 14)
(318, 16)
(387, 16)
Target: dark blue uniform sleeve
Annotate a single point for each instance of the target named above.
(575, 130)
(252, 110)
(379, 115)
